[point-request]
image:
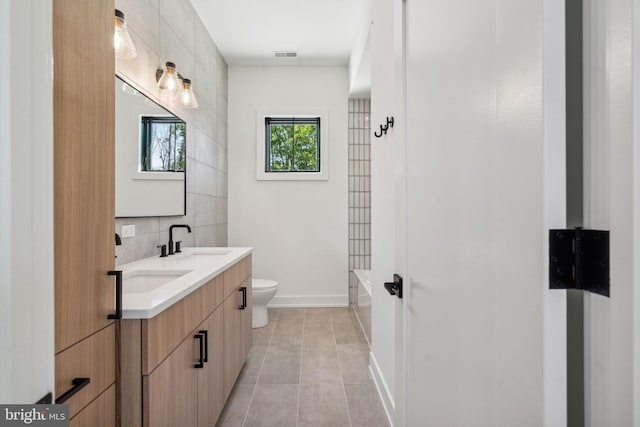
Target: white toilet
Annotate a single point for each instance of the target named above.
(262, 291)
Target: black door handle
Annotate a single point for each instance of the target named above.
(390, 287)
(200, 364)
(395, 287)
(244, 298)
(118, 313)
(78, 384)
(206, 345)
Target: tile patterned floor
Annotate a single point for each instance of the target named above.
(307, 368)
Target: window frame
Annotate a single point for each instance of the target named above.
(262, 155)
(146, 123)
(294, 120)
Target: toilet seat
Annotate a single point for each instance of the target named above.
(261, 284)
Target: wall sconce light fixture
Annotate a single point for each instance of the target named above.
(186, 96)
(122, 42)
(169, 79)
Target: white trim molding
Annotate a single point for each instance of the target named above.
(293, 301)
(383, 390)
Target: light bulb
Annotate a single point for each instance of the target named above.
(122, 43)
(169, 79)
(186, 96)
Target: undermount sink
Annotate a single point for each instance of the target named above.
(143, 281)
(205, 253)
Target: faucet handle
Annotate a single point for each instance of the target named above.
(178, 249)
(163, 250)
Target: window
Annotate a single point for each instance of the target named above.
(163, 144)
(292, 144)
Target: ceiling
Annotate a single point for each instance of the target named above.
(248, 32)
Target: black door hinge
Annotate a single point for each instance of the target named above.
(579, 259)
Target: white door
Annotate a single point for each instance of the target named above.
(485, 338)
(387, 203)
(611, 183)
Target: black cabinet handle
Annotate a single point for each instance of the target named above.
(244, 297)
(78, 384)
(206, 345)
(200, 364)
(118, 313)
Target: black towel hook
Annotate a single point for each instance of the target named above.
(384, 128)
(390, 121)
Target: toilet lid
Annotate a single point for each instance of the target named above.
(263, 283)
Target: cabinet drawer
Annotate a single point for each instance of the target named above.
(164, 332)
(99, 413)
(94, 358)
(236, 275)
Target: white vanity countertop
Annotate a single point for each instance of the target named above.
(153, 284)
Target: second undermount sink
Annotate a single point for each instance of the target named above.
(143, 281)
(205, 253)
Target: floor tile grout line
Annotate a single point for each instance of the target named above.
(304, 317)
(255, 385)
(344, 391)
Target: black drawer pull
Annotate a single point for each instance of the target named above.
(244, 298)
(78, 384)
(200, 364)
(118, 313)
(206, 345)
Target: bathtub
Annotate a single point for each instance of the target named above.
(362, 304)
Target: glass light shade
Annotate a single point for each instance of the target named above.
(186, 96)
(122, 42)
(169, 79)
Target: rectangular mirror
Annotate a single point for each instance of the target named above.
(151, 156)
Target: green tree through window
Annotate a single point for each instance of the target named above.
(163, 144)
(292, 144)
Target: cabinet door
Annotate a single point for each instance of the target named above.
(84, 168)
(245, 323)
(210, 378)
(232, 340)
(170, 391)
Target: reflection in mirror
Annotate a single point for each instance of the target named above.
(150, 156)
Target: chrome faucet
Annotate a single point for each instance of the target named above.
(170, 245)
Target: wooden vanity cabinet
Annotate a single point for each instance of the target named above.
(160, 383)
(178, 393)
(237, 332)
(84, 208)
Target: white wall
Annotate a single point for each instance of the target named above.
(26, 211)
(298, 228)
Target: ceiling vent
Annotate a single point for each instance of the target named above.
(286, 54)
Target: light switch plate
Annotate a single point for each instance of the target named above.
(128, 230)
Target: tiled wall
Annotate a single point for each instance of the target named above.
(170, 30)
(359, 191)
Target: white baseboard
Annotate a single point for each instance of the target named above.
(291, 301)
(383, 390)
